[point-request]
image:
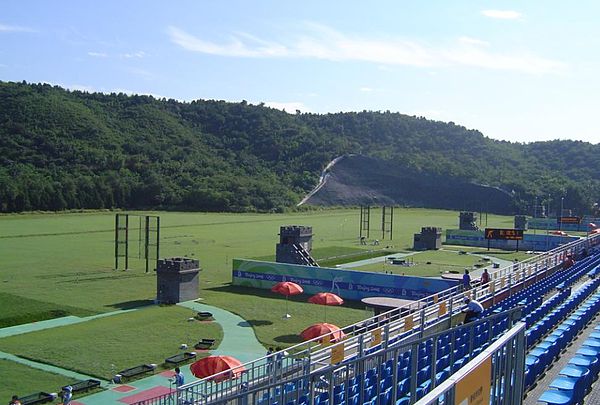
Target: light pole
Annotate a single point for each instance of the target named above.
(535, 211)
(562, 199)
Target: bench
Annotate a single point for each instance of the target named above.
(37, 398)
(133, 371)
(204, 344)
(180, 358)
(204, 315)
(83, 385)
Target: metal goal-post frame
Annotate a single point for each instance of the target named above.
(136, 236)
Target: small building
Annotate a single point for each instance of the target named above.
(177, 280)
(295, 245)
(430, 238)
(521, 222)
(468, 221)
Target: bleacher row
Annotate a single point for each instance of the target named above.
(544, 353)
(576, 378)
(434, 360)
(453, 349)
(546, 318)
(531, 297)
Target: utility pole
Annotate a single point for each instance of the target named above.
(562, 199)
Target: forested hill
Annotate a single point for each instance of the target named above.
(62, 149)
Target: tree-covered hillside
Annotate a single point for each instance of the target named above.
(62, 149)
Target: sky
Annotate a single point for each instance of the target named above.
(514, 70)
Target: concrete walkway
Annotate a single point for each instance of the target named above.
(476, 273)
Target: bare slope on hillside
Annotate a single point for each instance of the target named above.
(359, 180)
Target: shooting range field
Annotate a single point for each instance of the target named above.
(61, 265)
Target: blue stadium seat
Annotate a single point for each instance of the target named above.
(576, 385)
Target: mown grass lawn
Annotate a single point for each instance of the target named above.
(104, 346)
(18, 379)
(68, 259)
(18, 310)
(429, 263)
(63, 264)
(264, 310)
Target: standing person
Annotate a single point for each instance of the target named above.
(14, 400)
(270, 359)
(67, 394)
(466, 280)
(179, 379)
(473, 310)
(485, 277)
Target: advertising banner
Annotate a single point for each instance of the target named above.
(348, 284)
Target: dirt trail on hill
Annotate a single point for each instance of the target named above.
(352, 180)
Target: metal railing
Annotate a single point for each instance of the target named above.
(330, 377)
(399, 323)
(501, 382)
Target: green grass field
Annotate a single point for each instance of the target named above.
(428, 263)
(18, 310)
(21, 380)
(63, 264)
(107, 345)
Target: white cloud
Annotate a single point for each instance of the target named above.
(14, 28)
(138, 54)
(252, 47)
(366, 89)
(289, 107)
(502, 14)
(324, 43)
(98, 54)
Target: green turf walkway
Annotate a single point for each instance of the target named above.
(49, 368)
(239, 341)
(50, 323)
(53, 323)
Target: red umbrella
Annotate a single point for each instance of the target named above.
(287, 288)
(212, 365)
(320, 329)
(326, 298)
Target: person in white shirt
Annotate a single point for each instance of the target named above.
(472, 310)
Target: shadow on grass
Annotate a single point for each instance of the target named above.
(254, 322)
(288, 339)
(259, 292)
(131, 304)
